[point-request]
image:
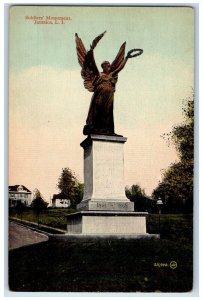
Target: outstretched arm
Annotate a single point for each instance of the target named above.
(136, 52)
(122, 65)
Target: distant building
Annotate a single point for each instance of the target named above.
(59, 200)
(19, 193)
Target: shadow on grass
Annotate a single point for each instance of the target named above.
(106, 266)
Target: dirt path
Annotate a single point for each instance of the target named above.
(20, 236)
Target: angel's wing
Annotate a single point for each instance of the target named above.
(86, 60)
(120, 57)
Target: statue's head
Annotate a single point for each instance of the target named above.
(106, 66)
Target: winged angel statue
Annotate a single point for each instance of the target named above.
(100, 116)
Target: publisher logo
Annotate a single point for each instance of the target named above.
(173, 264)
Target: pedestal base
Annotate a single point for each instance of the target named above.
(107, 223)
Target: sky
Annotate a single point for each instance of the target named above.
(48, 103)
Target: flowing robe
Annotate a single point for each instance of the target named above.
(100, 116)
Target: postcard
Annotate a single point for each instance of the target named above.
(101, 149)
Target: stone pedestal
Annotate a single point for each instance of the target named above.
(107, 223)
(104, 209)
(104, 174)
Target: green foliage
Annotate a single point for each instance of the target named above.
(78, 194)
(20, 207)
(66, 183)
(37, 194)
(53, 217)
(137, 195)
(70, 187)
(182, 135)
(38, 203)
(176, 187)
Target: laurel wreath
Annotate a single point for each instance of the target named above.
(136, 52)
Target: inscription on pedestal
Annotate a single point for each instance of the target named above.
(108, 170)
(106, 205)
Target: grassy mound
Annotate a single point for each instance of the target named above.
(109, 266)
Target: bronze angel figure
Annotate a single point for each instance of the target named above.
(100, 116)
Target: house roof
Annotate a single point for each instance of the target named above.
(14, 188)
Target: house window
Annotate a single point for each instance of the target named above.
(20, 188)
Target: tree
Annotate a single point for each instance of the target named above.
(78, 194)
(137, 195)
(38, 204)
(20, 207)
(176, 187)
(70, 187)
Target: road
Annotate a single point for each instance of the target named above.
(21, 236)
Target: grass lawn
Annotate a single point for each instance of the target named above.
(109, 266)
(54, 217)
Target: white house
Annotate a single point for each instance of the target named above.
(59, 201)
(19, 193)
